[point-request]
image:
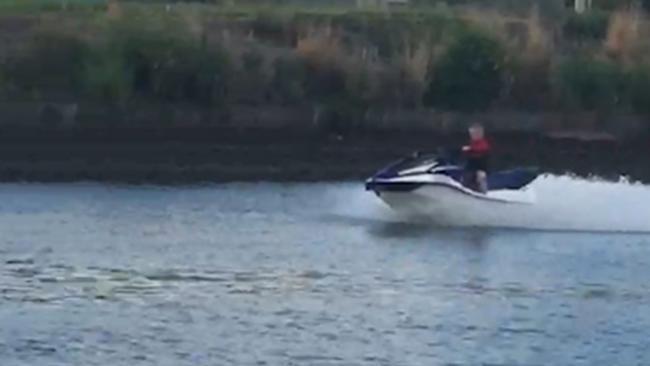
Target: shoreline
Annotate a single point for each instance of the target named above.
(251, 156)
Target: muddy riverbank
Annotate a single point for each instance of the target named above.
(169, 156)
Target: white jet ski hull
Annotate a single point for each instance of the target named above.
(448, 203)
(431, 186)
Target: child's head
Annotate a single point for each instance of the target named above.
(476, 131)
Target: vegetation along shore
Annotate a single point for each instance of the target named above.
(343, 73)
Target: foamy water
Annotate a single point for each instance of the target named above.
(563, 203)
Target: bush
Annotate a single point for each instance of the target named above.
(390, 35)
(252, 85)
(591, 84)
(193, 74)
(273, 27)
(530, 86)
(638, 89)
(326, 63)
(325, 82)
(288, 80)
(252, 62)
(469, 76)
(52, 63)
(341, 116)
(360, 86)
(32, 6)
(170, 66)
(385, 35)
(107, 77)
(588, 26)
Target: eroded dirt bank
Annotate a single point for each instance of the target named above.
(216, 155)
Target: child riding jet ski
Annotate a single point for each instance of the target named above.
(478, 154)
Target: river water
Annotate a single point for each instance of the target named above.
(317, 274)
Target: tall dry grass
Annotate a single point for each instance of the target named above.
(113, 9)
(525, 36)
(623, 36)
(194, 21)
(329, 66)
(539, 41)
(413, 71)
(530, 82)
(415, 61)
(491, 21)
(321, 48)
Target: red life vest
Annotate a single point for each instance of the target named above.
(478, 148)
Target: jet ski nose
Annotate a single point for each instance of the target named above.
(371, 183)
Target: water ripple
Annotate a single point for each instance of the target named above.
(251, 275)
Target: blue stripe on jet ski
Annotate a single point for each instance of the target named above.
(510, 179)
(392, 186)
(406, 187)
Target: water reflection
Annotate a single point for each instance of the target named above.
(397, 230)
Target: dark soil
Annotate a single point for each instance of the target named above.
(170, 156)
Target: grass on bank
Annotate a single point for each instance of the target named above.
(8, 7)
(344, 61)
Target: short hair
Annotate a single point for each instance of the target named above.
(476, 125)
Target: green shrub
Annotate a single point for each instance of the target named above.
(530, 86)
(146, 49)
(385, 34)
(360, 88)
(591, 84)
(107, 77)
(170, 65)
(271, 26)
(638, 89)
(394, 87)
(341, 116)
(287, 83)
(193, 74)
(470, 74)
(588, 26)
(251, 87)
(51, 63)
(252, 62)
(390, 34)
(31, 6)
(325, 81)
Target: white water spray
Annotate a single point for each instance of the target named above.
(563, 203)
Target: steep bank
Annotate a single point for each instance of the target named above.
(142, 92)
(219, 154)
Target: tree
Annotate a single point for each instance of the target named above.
(469, 76)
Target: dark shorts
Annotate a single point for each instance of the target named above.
(476, 164)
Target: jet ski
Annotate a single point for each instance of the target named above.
(433, 184)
